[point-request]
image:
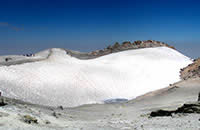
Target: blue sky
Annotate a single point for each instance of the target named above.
(28, 26)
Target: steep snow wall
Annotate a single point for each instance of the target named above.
(64, 80)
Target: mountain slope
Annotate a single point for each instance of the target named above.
(60, 79)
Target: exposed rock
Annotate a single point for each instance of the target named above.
(29, 119)
(61, 107)
(138, 42)
(191, 71)
(56, 114)
(161, 113)
(127, 45)
(116, 45)
(28, 55)
(2, 102)
(150, 41)
(198, 97)
(8, 59)
(186, 108)
(47, 122)
(189, 108)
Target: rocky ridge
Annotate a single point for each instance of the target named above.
(117, 47)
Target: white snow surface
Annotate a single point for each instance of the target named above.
(64, 80)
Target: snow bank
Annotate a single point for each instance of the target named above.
(68, 81)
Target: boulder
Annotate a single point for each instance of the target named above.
(29, 119)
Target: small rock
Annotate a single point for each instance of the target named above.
(7, 59)
(61, 107)
(2, 102)
(47, 122)
(56, 114)
(198, 97)
(29, 119)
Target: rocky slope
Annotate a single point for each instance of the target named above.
(118, 48)
(191, 71)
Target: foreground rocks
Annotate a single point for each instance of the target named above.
(186, 108)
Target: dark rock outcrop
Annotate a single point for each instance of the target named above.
(186, 108)
(191, 71)
(161, 113)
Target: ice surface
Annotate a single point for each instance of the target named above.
(64, 80)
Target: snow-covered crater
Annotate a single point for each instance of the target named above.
(59, 79)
